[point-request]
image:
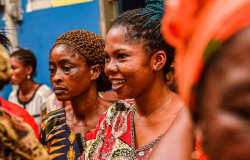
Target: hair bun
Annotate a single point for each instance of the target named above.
(154, 9)
(156, 6)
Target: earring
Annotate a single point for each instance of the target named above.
(158, 68)
(28, 76)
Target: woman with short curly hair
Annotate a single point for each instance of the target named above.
(77, 74)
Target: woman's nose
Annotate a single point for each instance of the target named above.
(111, 67)
(57, 77)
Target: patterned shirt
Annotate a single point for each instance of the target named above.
(59, 140)
(114, 137)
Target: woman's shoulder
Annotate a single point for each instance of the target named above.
(177, 101)
(44, 90)
(183, 118)
(13, 93)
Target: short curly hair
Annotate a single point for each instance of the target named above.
(143, 25)
(91, 46)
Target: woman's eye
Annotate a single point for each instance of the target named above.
(66, 69)
(106, 57)
(242, 111)
(52, 70)
(122, 56)
(245, 114)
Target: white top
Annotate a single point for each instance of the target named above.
(51, 103)
(36, 104)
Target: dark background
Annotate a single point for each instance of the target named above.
(132, 4)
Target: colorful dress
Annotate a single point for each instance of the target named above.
(60, 142)
(115, 135)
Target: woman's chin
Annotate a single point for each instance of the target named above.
(62, 98)
(13, 83)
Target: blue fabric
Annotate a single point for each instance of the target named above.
(57, 138)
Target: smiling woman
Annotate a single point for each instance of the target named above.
(77, 74)
(136, 62)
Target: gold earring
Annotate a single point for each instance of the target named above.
(28, 76)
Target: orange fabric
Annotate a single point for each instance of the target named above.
(191, 25)
(196, 28)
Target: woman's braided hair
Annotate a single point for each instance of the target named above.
(91, 46)
(143, 25)
(27, 58)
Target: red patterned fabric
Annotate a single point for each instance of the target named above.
(115, 136)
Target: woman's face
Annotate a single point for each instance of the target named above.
(19, 72)
(225, 115)
(69, 74)
(126, 65)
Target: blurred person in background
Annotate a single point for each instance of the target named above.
(29, 94)
(77, 75)
(137, 60)
(17, 139)
(5, 75)
(213, 64)
(172, 79)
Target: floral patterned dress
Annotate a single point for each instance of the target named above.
(115, 136)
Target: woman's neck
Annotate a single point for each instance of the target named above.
(86, 105)
(27, 87)
(156, 97)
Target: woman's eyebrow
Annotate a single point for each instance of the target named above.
(116, 51)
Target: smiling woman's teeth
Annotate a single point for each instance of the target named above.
(117, 83)
(114, 82)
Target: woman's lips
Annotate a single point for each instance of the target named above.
(59, 90)
(117, 84)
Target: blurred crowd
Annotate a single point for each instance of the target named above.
(170, 81)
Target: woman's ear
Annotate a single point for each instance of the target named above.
(95, 71)
(158, 60)
(28, 70)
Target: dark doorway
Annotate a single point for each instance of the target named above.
(131, 4)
